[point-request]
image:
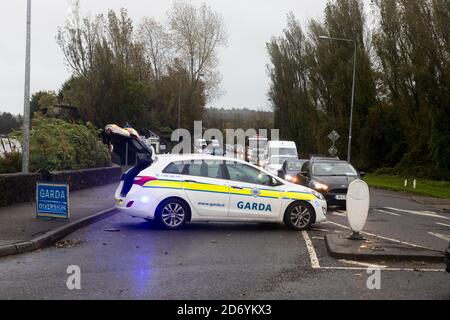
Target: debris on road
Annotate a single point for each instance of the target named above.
(112, 230)
(67, 243)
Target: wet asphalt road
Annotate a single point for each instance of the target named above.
(228, 261)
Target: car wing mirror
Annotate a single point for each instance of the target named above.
(362, 174)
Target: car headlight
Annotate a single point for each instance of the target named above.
(292, 179)
(318, 195)
(320, 186)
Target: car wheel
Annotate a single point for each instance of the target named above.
(173, 214)
(299, 216)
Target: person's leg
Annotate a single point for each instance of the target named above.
(133, 173)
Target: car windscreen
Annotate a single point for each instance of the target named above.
(279, 160)
(295, 165)
(284, 152)
(333, 169)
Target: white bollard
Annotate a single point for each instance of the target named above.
(406, 183)
(415, 184)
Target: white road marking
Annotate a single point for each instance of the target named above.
(319, 229)
(362, 264)
(391, 213)
(316, 265)
(440, 236)
(443, 224)
(387, 269)
(420, 213)
(312, 252)
(340, 214)
(384, 238)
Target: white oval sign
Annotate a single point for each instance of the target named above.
(358, 202)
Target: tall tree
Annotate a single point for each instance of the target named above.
(197, 33)
(412, 44)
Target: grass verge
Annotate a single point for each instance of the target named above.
(435, 189)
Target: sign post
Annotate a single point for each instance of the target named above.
(52, 200)
(333, 136)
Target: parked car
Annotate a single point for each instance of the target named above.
(277, 152)
(331, 177)
(177, 189)
(290, 171)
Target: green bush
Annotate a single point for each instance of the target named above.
(11, 162)
(57, 145)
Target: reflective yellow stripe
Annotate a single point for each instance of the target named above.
(204, 187)
(225, 189)
(299, 196)
(164, 184)
(241, 192)
(271, 194)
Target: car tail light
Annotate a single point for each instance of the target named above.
(141, 181)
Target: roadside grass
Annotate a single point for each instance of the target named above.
(435, 189)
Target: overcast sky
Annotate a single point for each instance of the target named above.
(250, 24)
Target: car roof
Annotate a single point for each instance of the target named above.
(326, 159)
(275, 144)
(195, 156)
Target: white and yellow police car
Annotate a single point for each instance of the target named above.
(176, 189)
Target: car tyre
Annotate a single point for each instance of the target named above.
(172, 214)
(299, 216)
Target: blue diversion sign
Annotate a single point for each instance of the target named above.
(52, 200)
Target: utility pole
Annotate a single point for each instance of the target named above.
(26, 107)
(349, 155)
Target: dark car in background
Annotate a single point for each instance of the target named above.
(290, 171)
(331, 177)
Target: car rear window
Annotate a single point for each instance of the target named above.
(210, 169)
(175, 168)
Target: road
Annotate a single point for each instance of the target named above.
(125, 258)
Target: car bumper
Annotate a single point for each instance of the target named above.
(335, 199)
(137, 206)
(320, 208)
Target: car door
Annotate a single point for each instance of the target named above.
(305, 174)
(206, 188)
(252, 195)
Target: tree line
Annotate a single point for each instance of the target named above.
(244, 119)
(123, 72)
(9, 123)
(402, 100)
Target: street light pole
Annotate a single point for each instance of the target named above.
(26, 107)
(179, 106)
(349, 155)
(350, 134)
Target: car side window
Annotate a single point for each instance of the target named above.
(245, 173)
(306, 167)
(205, 169)
(175, 168)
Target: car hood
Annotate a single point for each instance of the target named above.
(335, 182)
(291, 187)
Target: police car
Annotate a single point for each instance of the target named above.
(176, 189)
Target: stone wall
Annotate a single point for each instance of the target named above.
(19, 187)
